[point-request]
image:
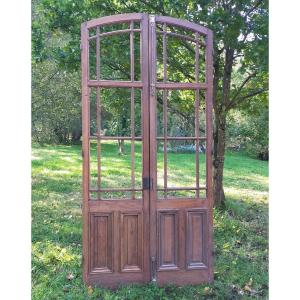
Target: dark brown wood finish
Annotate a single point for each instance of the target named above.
(181, 227)
(115, 231)
(134, 240)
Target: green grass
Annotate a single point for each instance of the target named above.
(240, 230)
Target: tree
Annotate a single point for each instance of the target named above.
(56, 107)
(240, 48)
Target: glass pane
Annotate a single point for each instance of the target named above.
(202, 60)
(159, 57)
(114, 27)
(181, 60)
(181, 194)
(202, 163)
(181, 164)
(115, 195)
(115, 164)
(115, 57)
(137, 56)
(181, 31)
(115, 106)
(176, 194)
(92, 31)
(181, 113)
(160, 164)
(92, 59)
(180, 54)
(202, 114)
(93, 165)
(138, 164)
(116, 168)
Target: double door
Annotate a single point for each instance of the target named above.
(147, 136)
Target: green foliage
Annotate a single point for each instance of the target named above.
(240, 26)
(249, 132)
(56, 105)
(240, 230)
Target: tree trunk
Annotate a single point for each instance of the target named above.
(121, 147)
(76, 135)
(218, 162)
(220, 110)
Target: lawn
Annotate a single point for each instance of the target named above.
(240, 230)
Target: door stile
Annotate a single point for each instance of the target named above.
(209, 141)
(85, 147)
(153, 167)
(145, 138)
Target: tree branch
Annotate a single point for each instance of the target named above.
(252, 9)
(242, 85)
(254, 93)
(249, 95)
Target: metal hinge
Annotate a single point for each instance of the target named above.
(152, 20)
(152, 88)
(153, 268)
(147, 183)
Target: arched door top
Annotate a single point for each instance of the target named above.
(123, 18)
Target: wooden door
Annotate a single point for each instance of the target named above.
(180, 151)
(138, 223)
(115, 89)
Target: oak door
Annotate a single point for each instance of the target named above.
(146, 125)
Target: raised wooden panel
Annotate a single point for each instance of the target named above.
(131, 235)
(101, 242)
(168, 240)
(196, 228)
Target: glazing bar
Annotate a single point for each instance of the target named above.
(197, 112)
(165, 111)
(98, 111)
(132, 121)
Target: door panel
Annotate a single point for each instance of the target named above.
(147, 135)
(101, 243)
(131, 225)
(167, 239)
(196, 229)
